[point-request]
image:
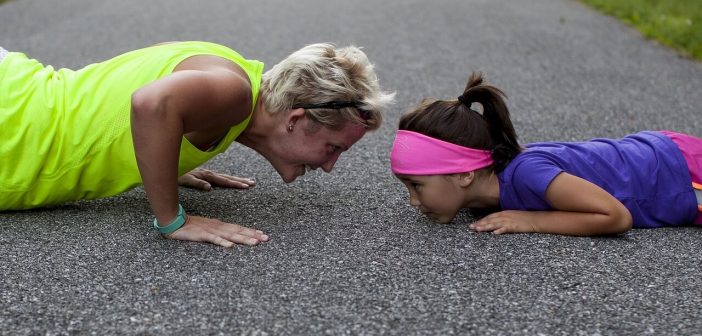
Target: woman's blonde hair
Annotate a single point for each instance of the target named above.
(321, 74)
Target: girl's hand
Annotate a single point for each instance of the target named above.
(580, 208)
(508, 221)
(203, 179)
(214, 231)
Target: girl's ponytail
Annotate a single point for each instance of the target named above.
(496, 114)
(455, 122)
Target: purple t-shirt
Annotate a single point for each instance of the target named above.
(645, 171)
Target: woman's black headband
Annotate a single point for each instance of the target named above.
(337, 104)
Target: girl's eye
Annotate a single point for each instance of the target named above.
(415, 185)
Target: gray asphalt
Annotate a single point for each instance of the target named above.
(348, 254)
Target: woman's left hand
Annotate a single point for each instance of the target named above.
(204, 179)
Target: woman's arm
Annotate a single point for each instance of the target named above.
(581, 209)
(162, 112)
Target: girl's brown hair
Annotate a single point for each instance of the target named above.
(454, 121)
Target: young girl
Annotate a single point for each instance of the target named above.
(450, 156)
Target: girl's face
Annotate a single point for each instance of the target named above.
(440, 197)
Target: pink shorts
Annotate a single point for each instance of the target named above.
(691, 148)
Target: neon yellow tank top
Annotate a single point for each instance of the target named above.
(66, 134)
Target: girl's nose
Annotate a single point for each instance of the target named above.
(414, 200)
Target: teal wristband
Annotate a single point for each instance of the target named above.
(174, 224)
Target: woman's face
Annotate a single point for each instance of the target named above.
(309, 146)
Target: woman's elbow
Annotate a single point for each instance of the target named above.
(143, 104)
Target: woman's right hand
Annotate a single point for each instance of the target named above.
(201, 229)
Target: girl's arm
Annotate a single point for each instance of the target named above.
(581, 208)
(162, 112)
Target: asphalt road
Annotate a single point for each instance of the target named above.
(348, 254)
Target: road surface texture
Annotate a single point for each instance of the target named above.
(348, 254)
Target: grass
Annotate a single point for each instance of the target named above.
(675, 23)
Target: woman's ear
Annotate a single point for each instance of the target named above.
(292, 118)
(465, 179)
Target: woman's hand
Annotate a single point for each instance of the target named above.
(204, 179)
(508, 221)
(214, 231)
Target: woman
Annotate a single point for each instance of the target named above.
(152, 115)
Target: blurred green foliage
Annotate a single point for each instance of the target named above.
(675, 23)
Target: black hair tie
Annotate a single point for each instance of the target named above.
(468, 104)
(464, 101)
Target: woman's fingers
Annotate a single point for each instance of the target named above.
(214, 231)
(242, 235)
(204, 179)
(190, 181)
(229, 181)
(217, 240)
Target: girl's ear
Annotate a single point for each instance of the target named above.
(465, 179)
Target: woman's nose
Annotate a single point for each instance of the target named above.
(329, 165)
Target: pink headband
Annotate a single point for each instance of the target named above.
(417, 154)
